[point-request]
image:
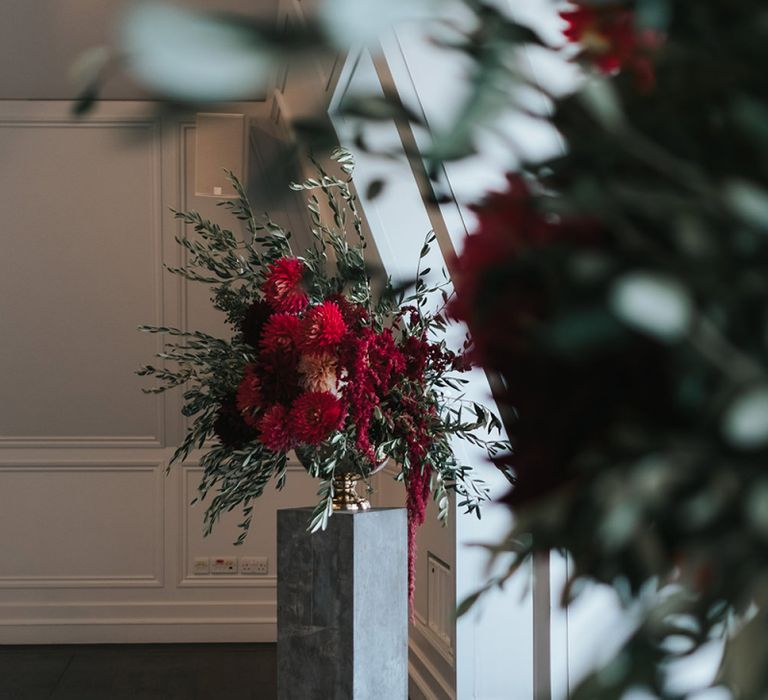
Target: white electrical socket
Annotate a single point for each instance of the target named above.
(201, 566)
(223, 565)
(254, 566)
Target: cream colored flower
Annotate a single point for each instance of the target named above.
(319, 372)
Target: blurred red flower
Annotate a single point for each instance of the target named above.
(610, 39)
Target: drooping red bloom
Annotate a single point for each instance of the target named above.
(373, 363)
(418, 491)
(281, 331)
(422, 355)
(315, 415)
(274, 430)
(248, 397)
(322, 328)
(284, 285)
(611, 40)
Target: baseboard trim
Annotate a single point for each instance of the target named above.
(141, 633)
(135, 621)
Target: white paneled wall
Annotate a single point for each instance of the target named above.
(97, 543)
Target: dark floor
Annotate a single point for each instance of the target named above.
(139, 672)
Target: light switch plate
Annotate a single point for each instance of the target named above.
(223, 565)
(201, 566)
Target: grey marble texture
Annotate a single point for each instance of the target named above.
(342, 606)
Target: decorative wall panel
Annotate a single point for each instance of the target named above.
(80, 270)
(81, 525)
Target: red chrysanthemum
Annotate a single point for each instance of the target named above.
(315, 415)
(248, 398)
(274, 430)
(609, 37)
(322, 328)
(280, 333)
(284, 286)
(354, 315)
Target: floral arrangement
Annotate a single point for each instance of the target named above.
(317, 365)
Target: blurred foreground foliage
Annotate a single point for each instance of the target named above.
(620, 291)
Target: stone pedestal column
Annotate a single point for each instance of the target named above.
(342, 606)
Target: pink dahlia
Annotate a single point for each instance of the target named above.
(274, 429)
(248, 398)
(315, 415)
(281, 331)
(322, 327)
(284, 286)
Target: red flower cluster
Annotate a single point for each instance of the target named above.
(321, 368)
(610, 39)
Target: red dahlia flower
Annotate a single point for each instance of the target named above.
(280, 333)
(322, 327)
(354, 315)
(248, 397)
(315, 415)
(284, 286)
(274, 429)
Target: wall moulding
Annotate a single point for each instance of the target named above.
(126, 622)
(130, 118)
(151, 579)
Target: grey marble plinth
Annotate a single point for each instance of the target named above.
(342, 606)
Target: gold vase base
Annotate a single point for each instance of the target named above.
(345, 493)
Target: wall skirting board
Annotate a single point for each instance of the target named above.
(135, 622)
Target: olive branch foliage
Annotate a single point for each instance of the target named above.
(208, 369)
